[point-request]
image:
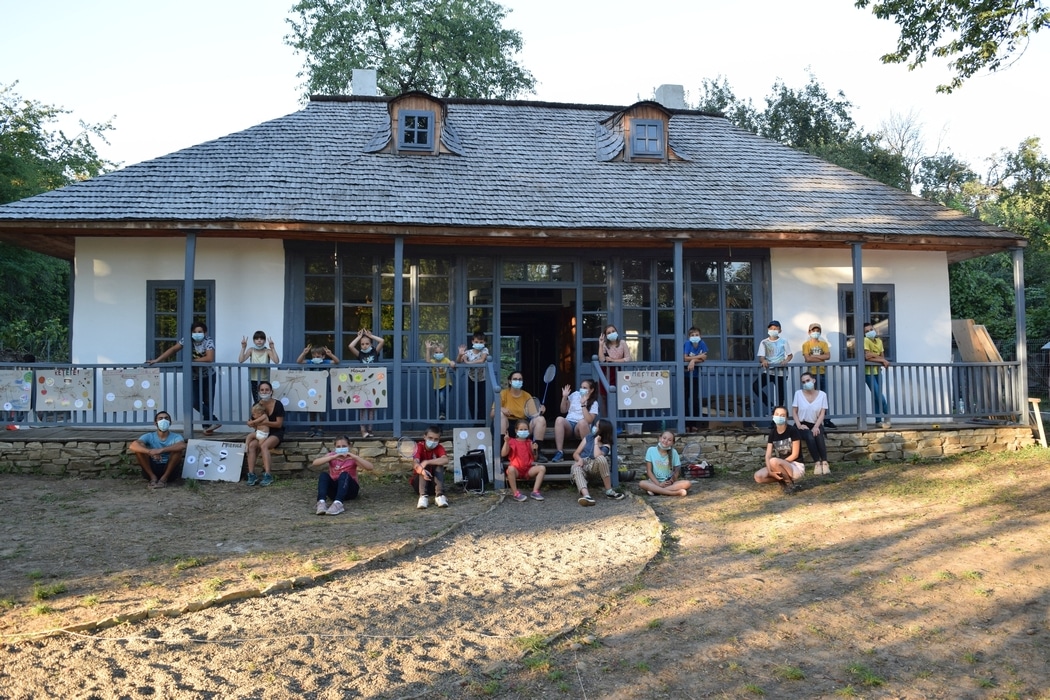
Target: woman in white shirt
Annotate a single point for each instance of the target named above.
(808, 408)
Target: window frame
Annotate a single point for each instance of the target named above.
(152, 314)
(885, 320)
(402, 129)
(659, 151)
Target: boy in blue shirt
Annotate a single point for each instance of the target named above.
(159, 453)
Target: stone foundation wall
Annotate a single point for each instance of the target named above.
(730, 450)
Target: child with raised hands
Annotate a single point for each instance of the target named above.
(339, 482)
(521, 451)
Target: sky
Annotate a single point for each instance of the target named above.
(171, 75)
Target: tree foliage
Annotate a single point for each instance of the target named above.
(973, 35)
(447, 48)
(810, 120)
(35, 158)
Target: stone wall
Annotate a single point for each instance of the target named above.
(94, 458)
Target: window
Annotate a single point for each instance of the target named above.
(416, 132)
(164, 299)
(876, 306)
(721, 296)
(647, 138)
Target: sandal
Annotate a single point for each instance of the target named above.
(210, 430)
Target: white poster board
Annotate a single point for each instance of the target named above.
(131, 389)
(466, 439)
(64, 389)
(301, 389)
(16, 389)
(212, 460)
(359, 386)
(643, 389)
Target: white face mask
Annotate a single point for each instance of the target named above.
(515, 383)
(198, 337)
(439, 356)
(479, 346)
(163, 424)
(317, 360)
(808, 386)
(259, 344)
(265, 397)
(774, 333)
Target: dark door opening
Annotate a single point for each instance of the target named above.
(538, 329)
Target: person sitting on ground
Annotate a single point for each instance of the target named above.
(592, 457)
(581, 410)
(522, 464)
(663, 466)
(339, 482)
(512, 409)
(159, 453)
(428, 463)
(783, 449)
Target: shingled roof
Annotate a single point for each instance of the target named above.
(525, 167)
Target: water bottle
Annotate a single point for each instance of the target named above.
(962, 406)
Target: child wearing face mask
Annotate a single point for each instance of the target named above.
(367, 348)
(441, 376)
(592, 457)
(476, 354)
(783, 448)
(818, 351)
(663, 466)
(319, 355)
(258, 354)
(693, 354)
(428, 465)
(339, 482)
(773, 354)
(520, 449)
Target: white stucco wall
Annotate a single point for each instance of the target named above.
(805, 289)
(109, 323)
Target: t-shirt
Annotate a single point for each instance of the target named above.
(368, 356)
(258, 357)
(588, 447)
(515, 405)
(423, 454)
(341, 464)
(815, 347)
(200, 350)
(781, 442)
(477, 374)
(808, 410)
(152, 441)
(775, 351)
(441, 376)
(575, 412)
(520, 453)
(690, 350)
(663, 464)
(873, 345)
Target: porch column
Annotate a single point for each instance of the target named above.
(1021, 333)
(858, 335)
(679, 335)
(185, 323)
(399, 314)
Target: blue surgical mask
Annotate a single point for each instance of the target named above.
(523, 434)
(431, 444)
(871, 334)
(163, 424)
(773, 333)
(342, 450)
(612, 337)
(439, 356)
(197, 336)
(479, 346)
(694, 339)
(815, 335)
(515, 383)
(780, 420)
(808, 386)
(584, 392)
(316, 360)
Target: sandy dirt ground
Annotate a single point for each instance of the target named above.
(888, 581)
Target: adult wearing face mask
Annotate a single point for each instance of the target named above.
(258, 354)
(773, 354)
(512, 402)
(159, 453)
(268, 434)
(693, 353)
(783, 449)
(581, 410)
(612, 349)
(203, 375)
(808, 408)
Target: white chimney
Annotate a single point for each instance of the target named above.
(671, 96)
(363, 81)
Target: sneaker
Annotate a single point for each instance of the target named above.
(424, 502)
(826, 469)
(441, 501)
(252, 479)
(266, 480)
(829, 424)
(336, 508)
(519, 496)
(585, 500)
(536, 496)
(322, 507)
(540, 459)
(614, 495)
(885, 425)
(558, 456)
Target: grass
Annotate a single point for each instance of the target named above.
(188, 563)
(646, 600)
(46, 592)
(789, 673)
(41, 609)
(655, 623)
(848, 692)
(865, 675)
(754, 689)
(532, 643)
(89, 601)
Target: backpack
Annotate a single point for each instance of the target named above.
(474, 470)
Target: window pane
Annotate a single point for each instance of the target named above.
(740, 350)
(594, 272)
(707, 322)
(434, 289)
(320, 289)
(740, 323)
(167, 300)
(704, 296)
(636, 269)
(514, 271)
(665, 296)
(357, 290)
(738, 272)
(320, 264)
(635, 294)
(479, 268)
(664, 270)
(320, 319)
(738, 296)
(434, 318)
(703, 271)
(665, 322)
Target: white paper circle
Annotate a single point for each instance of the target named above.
(145, 384)
(7, 406)
(111, 396)
(191, 459)
(301, 404)
(221, 469)
(206, 461)
(480, 435)
(150, 403)
(129, 383)
(285, 401)
(223, 454)
(79, 403)
(627, 402)
(463, 435)
(201, 473)
(138, 403)
(312, 392)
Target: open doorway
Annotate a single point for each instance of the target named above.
(538, 329)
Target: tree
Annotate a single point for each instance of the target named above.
(974, 34)
(35, 158)
(447, 48)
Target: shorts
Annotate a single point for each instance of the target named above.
(520, 472)
(798, 470)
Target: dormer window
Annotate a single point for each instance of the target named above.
(647, 138)
(415, 130)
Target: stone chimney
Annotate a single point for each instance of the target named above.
(363, 81)
(671, 96)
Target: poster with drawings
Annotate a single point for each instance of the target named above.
(16, 389)
(638, 390)
(131, 389)
(361, 386)
(301, 389)
(466, 439)
(212, 460)
(64, 389)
